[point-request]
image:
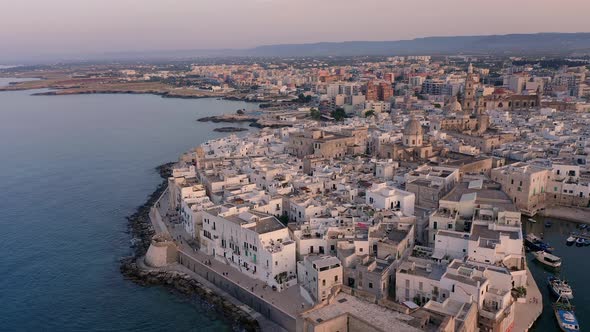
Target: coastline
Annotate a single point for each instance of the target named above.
(161, 90)
(573, 214)
(133, 268)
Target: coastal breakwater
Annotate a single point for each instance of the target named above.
(133, 268)
(255, 121)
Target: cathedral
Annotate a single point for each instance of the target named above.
(412, 146)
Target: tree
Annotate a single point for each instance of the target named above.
(240, 112)
(338, 114)
(369, 113)
(303, 98)
(437, 105)
(315, 114)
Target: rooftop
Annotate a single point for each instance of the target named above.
(375, 315)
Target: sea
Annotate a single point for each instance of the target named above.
(575, 269)
(71, 169)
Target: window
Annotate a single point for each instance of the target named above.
(370, 285)
(335, 278)
(324, 282)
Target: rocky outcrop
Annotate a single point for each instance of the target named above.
(140, 225)
(229, 129)
(228, 118)
(142, 231)
(188, 286)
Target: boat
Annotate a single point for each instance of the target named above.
(548, 224)
(565, 315)
(582, 226)
(580, 242)
(570, 240)
(547, 259)
(560, 288)
(534, 243)
(532, 220)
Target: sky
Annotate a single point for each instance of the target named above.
(58, 27)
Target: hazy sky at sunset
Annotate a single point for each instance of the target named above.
(46, 27)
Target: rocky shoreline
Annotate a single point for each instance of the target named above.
(228, 118)
(229, 129)
(142, 231)
(163, 94)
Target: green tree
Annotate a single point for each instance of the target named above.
(369, 113)
(338, 114)
(303, 98)
(315, 114)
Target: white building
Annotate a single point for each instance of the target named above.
(385, 196)
(255, 243)
(318, 274)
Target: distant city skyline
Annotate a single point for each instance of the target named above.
(67, 27)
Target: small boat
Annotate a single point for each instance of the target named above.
(586, 242)
(580, 242)
(547, 259)
(560, 288)
(531, 220)
(565, 315)
(570, 240)
(582, 226)
(548, 224)
(534, 243)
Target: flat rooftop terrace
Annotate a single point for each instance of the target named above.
(378, 316)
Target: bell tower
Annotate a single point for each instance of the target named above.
(469, 98)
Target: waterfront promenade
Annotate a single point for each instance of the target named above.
(527, 313)
(268, 306)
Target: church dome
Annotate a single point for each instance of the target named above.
(455, 107)
(413, 127)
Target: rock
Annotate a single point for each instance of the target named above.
(142, 231)
(229, 129)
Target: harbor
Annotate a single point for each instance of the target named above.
(556, 234)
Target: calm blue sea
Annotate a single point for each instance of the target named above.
(71, 169)
(575, 268)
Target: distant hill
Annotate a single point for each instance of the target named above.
(513, 44)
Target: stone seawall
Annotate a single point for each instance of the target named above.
(574, 214)
(140, 227)
(132, 267)
(133, 270)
